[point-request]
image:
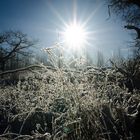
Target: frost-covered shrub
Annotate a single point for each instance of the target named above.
(129, 71)
(72, 105)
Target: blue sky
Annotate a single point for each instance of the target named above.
(43, 19)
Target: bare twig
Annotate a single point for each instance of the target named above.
(9, 134)
(21, 69)
(24, 136)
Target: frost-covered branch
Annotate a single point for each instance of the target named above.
(28, 68)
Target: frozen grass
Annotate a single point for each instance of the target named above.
(64, 104)
(85, 105)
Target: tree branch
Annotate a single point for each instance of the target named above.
(135, 2)
(131, 27)
(21, 69)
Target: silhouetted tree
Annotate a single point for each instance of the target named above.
(13, 43)
(129, 11)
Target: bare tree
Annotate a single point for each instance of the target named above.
(129, 11)
(11, 44)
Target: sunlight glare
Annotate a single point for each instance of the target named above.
(75, 36)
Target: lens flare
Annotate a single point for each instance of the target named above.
(75, 36)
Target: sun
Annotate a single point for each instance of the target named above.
(75, 36)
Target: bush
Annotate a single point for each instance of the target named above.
(49, 105)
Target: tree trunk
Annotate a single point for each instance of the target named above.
(2, 68)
